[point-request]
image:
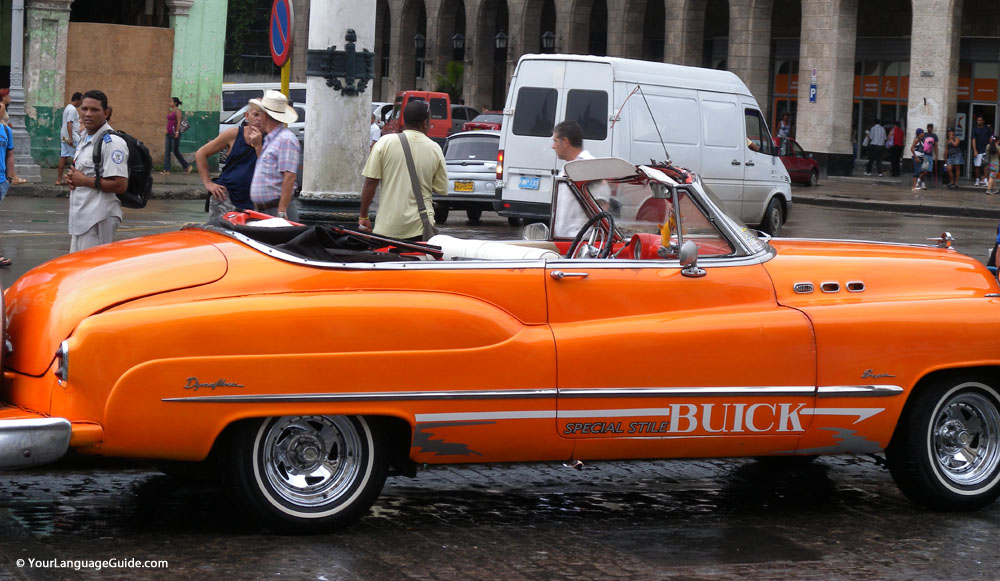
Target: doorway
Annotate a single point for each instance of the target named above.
(989, 112)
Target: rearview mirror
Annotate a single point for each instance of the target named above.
(536, 231)
(660, 191)
(689, 260)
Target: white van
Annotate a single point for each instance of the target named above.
(236, 95)
(707, 120)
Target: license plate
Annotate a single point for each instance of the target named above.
(464, 187)
(528, 183)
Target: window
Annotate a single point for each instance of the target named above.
(297, 95)
(757, 132)
(234, 100)
(535, 112)
(721, 119)
(439, 108)
(475, 148)
(590, 110)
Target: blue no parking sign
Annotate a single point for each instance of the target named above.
(281, 31)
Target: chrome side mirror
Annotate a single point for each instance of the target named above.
(689, 260)
(536, 231)
(659, 191)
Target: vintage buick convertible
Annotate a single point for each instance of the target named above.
(645, 324)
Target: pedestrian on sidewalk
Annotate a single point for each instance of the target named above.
(955, 158)
(173, 142)
(895, 146)
(68, 135)
(7, 175)
(992, 165)
(876, 148)
(980, 139)
(231, 190)
(917, 152)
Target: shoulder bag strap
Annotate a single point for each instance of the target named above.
(429, 229)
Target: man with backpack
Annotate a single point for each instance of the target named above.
(94, 209)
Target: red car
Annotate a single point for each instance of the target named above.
(801, 166)
(490, 120)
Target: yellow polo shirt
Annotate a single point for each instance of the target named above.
(398, 216)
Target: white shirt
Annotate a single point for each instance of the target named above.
(375, 131)
(70, 114)
(876, 135)
(88, 206)
(570, 216)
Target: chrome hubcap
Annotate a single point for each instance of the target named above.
(966, 439)
(311, 460)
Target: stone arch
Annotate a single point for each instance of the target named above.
(784, 76)
(451, 20)
(490, 63)
(383, 50)
(716, 34)
(413, 19)
(539, 16)
(588, 28)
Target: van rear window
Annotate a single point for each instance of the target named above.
(297, 95)
(535, 112)
(233, 100)
(590, 110)
(439, 109)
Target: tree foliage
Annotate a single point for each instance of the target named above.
(451, 82)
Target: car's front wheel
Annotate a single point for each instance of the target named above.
(945, 453)
(813, 178)
(308, 474)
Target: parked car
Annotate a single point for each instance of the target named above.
(236, 95)
(312, 361)
(460, 114)
(485, 120)
(801, 166)
(472, 175)
(382, 112)
(440, 109)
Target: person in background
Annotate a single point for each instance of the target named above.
(6, 172)
(273, 185)
(374, 132)
(785, 126)
(980, 139)
(876, 148)
(173, 142)
(68, 134)
(4, 103)
(895, 146)
(955, 158)
(917, 152)
(992, 165)
(231, 190)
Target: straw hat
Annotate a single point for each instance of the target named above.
(276, 106)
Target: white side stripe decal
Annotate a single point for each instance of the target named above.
(861, 413)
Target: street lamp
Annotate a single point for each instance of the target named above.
(458, 41)
(419, 42)
(548, 41)
(501, 40)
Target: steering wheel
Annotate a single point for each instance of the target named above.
(603, 224)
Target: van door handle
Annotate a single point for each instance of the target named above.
(736, 162)
(751, 163)
(559, 275)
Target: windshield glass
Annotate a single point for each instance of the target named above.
(478, 148)
(236, 117)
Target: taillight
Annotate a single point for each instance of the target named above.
(499, 165)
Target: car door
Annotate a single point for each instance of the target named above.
(724, 148)
(651, 362)
(760, 166)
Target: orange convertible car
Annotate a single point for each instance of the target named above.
(646, 323)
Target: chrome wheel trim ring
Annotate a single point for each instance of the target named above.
(964, 439)
(309, 462)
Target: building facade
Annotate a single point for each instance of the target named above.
(834, 65)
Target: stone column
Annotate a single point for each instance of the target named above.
(199, 45)
(829, 28)
(45, 82)
(24, 165)
(301, 34)
(750, 45)
(337, 137)
(934, 69)
(685, 37)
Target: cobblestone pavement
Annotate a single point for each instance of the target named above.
(837, 518)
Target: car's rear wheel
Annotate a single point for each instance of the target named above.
(440, 213)
(308, 474)
(945, 453)
(813, 178)
(514, 221)
(474, 215)
(773, 217)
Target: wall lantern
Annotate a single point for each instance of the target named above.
(501, 40)
(458, 41)
(548, 41)
(419, 41)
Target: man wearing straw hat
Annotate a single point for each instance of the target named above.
(274, 176)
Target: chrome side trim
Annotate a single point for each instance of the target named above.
(803, 288)
(367, 396)
(855, 286)
(859, 390)
(830, 287)
(763, 391)
(32, 442)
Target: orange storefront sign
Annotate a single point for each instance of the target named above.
(964, 84)
(786, 85)
(984, 90)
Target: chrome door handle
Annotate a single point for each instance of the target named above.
(751, 163)
(736, 162)
(559, 275)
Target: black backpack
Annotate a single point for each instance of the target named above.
(140, 170)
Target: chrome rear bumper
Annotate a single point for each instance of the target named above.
(32, 442)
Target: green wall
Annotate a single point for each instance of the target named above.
(44, 131)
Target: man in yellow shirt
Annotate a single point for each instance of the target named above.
(398, 216)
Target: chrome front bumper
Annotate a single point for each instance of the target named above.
(32, 442)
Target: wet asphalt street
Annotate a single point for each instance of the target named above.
(836, 518)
